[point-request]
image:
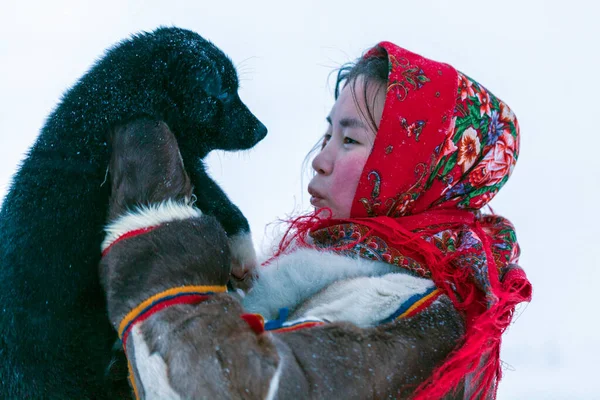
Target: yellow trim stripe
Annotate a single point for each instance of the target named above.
(133, 314)
(419, 303)
(132, 380)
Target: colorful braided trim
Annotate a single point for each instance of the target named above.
(414, 305)
(295, 326)
(127, 235)
(281, 324)
(162, 300)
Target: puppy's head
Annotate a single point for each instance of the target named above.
(204, 84)
(191, 85)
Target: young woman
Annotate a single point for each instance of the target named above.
(397, 286)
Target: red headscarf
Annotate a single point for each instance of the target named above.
(444, 147)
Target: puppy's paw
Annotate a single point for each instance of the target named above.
(243, 260)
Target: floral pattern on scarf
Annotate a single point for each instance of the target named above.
(480, 149)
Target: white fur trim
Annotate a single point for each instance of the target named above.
(147, 216)
(293, 278)
(274, 385)
(242, 250)
(152, 370)
(364, 301)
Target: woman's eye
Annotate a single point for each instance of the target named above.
(326, 138)
(348, 140)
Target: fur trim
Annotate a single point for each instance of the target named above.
(147, 216)
(151, 369)
(364, 301)
(291, 279)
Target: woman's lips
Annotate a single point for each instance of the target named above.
(315, 197)
(315, 201)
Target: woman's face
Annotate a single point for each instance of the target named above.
(346, 147)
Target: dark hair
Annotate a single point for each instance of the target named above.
(374, 70)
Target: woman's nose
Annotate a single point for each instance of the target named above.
(323, 162)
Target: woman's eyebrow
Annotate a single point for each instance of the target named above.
(348, 123)
(352, 123)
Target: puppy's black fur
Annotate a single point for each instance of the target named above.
(55, 338)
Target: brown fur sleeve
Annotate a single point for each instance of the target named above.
(210, 352)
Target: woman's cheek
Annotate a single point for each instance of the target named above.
(348, 172)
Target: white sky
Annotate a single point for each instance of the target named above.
(541, 57)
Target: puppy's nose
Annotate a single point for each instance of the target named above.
(260, 132)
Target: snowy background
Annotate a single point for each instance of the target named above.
(541, 57)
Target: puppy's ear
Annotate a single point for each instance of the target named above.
(146, 166)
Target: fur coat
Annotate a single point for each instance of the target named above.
(309, 284)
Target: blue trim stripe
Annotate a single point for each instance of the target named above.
(277, 323)
(408, 304)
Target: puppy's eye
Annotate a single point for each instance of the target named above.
(224, 97)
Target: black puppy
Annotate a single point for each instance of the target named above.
(55, 338)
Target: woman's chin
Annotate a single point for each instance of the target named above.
(327, 209)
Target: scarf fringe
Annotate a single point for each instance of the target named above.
(487, 315)
(479, 354)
